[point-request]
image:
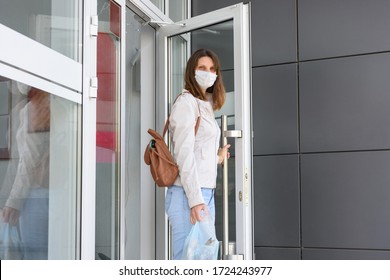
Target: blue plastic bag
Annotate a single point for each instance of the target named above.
(11, 246)
(201, 243)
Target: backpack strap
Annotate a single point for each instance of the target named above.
(197, 120)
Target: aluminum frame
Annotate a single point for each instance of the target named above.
(88, 169)
(52, 68)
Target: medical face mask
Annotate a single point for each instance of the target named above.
(205, 79)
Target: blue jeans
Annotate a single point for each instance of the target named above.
(178, 211)
(34, 224)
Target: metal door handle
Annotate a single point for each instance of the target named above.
(232, 133)
(226, 253)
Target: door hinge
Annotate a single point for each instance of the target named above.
(94, 25)
(93, 87)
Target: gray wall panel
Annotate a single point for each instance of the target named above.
(274, 32)
(342, 27)
(274, 28)
(335, 254)
(345, 200)
(266, 253)
(204, 6)
(276, 195)
(344, 103)
(275, 109)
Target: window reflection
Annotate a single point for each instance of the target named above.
(39, 187)
(29, 197)
(4, 119)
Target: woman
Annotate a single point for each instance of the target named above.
(192, 194)
(28, 202)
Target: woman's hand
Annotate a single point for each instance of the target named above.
(222, 152)
(11, 215)
(195, 214)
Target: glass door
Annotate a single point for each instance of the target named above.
(41, 115)
(226, 32)
(108, 128)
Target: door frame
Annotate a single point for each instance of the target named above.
(154, 18)
(239, 13)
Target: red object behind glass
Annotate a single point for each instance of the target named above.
(106, 99)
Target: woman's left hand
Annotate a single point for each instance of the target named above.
(222, 152)
(196, 213)
(11, 215)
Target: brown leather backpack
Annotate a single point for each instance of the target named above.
(162, 165)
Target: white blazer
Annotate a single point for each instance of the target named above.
(197, 156)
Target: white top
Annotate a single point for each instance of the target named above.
(196, 155)
(33, 167)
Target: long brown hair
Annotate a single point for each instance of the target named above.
(217, 90)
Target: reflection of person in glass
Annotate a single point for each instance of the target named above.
(29, 197)
(197, 155)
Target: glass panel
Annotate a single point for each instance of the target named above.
(133, 133)
(108, 131)
(4, 119)
(218, 38)
(178, 60)
(178, 10)
(40, 183)
(54, 23)
(159, 4)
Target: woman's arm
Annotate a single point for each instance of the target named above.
(182, 127)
